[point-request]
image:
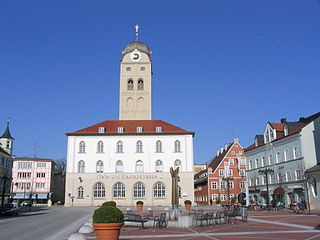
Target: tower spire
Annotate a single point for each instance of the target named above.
(137, 32)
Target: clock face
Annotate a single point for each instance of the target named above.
(135, 56)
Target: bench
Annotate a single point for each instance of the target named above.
(134, 218)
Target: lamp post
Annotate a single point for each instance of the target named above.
(265, 173)
(227, 179)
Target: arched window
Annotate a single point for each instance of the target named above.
(80, 192)
(159, 190)
(119, 147)
(139, 190)
(119, 190)
(128, 68)
(99, 166)
(81, 166)
(177, 163)
(177, 146)
(119, 166)
(159, 146)
(139, 146)
(99, 190)
(82, 147)
(159, 166)
(139, 166)
(140, 84)
(100, 147)
(130, 84)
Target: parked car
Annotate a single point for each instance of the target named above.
(9, 209)
(26, 203)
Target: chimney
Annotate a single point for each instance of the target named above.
(221, 150)
(225, 146)
(218, 151)
(283, 120)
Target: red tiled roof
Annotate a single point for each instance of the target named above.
(304, 121)
(130, 127)
(278, 126)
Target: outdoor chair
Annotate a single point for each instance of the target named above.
(201, 217)
(160, 221)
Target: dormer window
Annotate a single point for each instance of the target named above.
(139, 129)
(269, 134)
(128, 69)
(158, 129)
(286, 130)
(120, 129)
(101, 129)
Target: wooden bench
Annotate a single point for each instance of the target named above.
(134, 218)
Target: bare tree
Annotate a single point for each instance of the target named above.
(61, 165)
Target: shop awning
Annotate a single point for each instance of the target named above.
(298, 189)
(263, 192)
(278, 191)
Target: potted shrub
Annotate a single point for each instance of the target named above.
(109, 203)
(139, 205)
(218, 202)
(107, 222)
(187, 204)
(233, 200)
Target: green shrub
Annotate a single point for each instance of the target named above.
(218, 201)
(107, 214)
(139, 202)
(187, 202)
(109, 203)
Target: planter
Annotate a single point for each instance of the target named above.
(110, 231)
(187, 206)
(139, 207)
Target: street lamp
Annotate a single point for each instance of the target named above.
(227, 179)
(265, 173)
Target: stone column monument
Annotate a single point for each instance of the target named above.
(175, 213)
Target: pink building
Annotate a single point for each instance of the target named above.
(32, 179)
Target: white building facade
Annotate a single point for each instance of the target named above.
(129, 159)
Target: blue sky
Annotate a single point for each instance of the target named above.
(221, 68)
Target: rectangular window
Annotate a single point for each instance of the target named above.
(257, 181)
(221, 172)
(214, 197)
(242, 185)
(270, 159)
(257, 163)
(139, 129)
(286, 155)
(231, 185)
(250, 165)
(223, 197)
(295, 153)
(288, 176)
(230, 172)
(298, 174)
(158, 129)
(277, 157)
(242, 172)
(231, 196)
(222, 185)
(279, 178)
(41, 165)
(263, 161)
(214, 185)
(264, 180)
(120, 129)
(231, 161)
(251, 182)
(101, 129)
(25, 165)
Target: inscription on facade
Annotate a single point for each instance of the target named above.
(136, 176)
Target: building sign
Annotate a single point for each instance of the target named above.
(125, 176)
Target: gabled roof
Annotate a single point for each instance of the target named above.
(130, 128)
(33, 159)
(277, 126)
(293, 128)
(4, 152)
(218, 159)
(7, 133)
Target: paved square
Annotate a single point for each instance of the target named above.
(261, 225)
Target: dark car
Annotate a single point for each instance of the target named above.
(9, 209)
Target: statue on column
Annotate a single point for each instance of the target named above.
(175, 192)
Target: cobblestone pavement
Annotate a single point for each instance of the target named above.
(260, 225)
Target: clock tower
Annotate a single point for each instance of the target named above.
(136, 81)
